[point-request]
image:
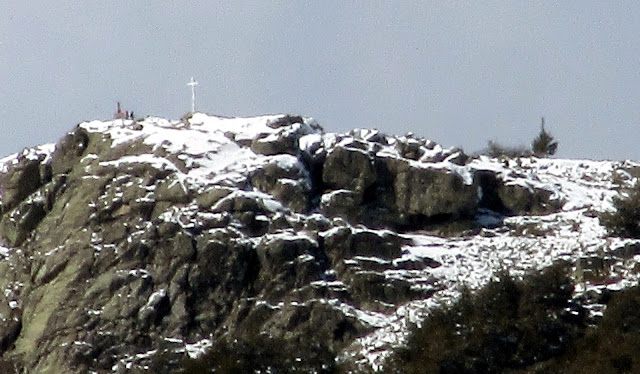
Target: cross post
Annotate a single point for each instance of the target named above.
(193, 85)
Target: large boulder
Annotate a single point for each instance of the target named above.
(393, 192)
(285, 178)
(286, 139)
(430, 192)
(513, 197)
(69, 150)
(16, 225)
(525, 199)
(344, 243)
(342, 203)
(362, 259)
(349, 168)
(23, 178)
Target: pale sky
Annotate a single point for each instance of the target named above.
(456, 72)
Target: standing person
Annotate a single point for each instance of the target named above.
(118, 114)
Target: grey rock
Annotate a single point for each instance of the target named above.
(70, 150)
(269, 145)
(209, 197)
(513, 199)
(342, 203)
(344, 243)
(287, 180)
(285, 121)
(172, 190)
(350, 169)
(430, 192)
(18, 224)
(390, 192)
(528, 200)
(286, 139)
(22, 179)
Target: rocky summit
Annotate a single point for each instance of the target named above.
(132, 242)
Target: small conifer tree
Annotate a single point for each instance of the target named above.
(544, 144)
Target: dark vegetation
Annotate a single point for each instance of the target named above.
(529, 326)
(612, 346)
(508, 325)
(625, 220)
(495, 149)
(542, 146)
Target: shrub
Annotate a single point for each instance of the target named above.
(525, 327)
(508, 325)
(625, 220)
(494, 149)
(610, 347)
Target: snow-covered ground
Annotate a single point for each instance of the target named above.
(207, 145)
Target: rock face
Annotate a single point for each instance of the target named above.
(131, 239)
(367, 179)
(514, 197)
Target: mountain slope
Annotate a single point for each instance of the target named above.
(130, 240)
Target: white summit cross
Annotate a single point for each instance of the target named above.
(193, 85)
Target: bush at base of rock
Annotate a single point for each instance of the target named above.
(523, 327)
(625, 221)
(612, 347)
(495, 149)
(508, 325)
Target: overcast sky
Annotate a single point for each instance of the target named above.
(457, 72)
